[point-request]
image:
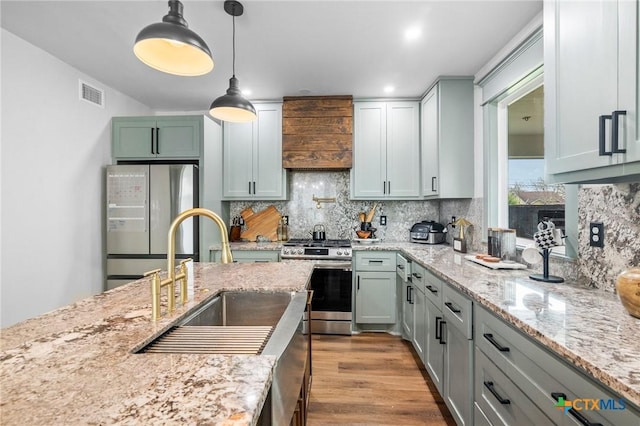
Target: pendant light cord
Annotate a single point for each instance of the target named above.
(234, 45)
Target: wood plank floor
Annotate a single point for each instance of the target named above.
(371, 379)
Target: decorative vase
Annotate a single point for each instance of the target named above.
(628, 287)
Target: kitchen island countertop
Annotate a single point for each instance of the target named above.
(74, 365)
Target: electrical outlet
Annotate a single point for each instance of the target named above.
(453, 219)
(596, 234)
(285, 220)
(383, 221)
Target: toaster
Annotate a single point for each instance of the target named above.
(427, 232)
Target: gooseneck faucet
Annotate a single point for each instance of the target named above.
(170, 281)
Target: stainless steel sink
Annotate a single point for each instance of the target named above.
(257, 323)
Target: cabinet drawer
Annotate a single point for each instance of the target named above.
(375, 261)
(403, 267)
(500, 399)
(432, 288)
(418, 277)
(244, 256)
(457, 310)
(539, 374)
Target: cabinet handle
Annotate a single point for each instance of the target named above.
(498, 346)
(375, 261)
(602, 134)
(433, 184)
(582, 419)
(358, 282)
(249, 187)
(152, 141)
(614, 132)
(157, 140)
(384, 186)
(417, 275)
(254, 187)
(389, 187)
(410, 295)
(401, 267)
(432, 289)
(438, 330)
(501, 400)
(451, 308)
(441, 337)
(407, 297)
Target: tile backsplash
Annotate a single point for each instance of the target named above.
(617, 206)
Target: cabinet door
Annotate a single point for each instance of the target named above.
(407, 309)
(458, 362)
(178, 137)
(133, 137)
(368, 175)
(238, 160)
(268, 174)
(403, 150)
(376, 297)
(419, 322)
(430, 171)
(580, 89)
(434, 345)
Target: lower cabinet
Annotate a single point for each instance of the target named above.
(375, 287)
(419, 310)
(434, 345)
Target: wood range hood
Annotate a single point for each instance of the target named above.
(317, 132)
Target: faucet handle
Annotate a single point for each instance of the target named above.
(155, 293)
(155, 271)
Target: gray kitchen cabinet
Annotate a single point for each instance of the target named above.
(247, 256)
(447, 139)
(591, 52)
(375, 287)
(418, 276)
(457, 335)
(405, 289)
(521, 368)
(386, 158)
(164, 137)
(434, 343)
(252, 152)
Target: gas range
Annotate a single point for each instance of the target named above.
(310, 249)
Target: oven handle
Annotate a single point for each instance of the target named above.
(344, 266)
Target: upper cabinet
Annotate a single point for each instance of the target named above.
(156, 137)
(252, 168)
(447, 139)
(591, 91)
(386, 160)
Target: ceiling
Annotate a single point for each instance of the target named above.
(283, 48)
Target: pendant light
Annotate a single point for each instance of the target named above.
(170, 46)
(233, 106)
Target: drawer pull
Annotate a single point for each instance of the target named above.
(501, 400)
(417, 275)
(575, 413)
(441, 329)
(375, 261)
(432, 289)
(451, 308)
(401, 267)
(498, 346)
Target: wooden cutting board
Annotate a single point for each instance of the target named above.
(263, 223)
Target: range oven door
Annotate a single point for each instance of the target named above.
(332, 298)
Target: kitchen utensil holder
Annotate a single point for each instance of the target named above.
(545, 277)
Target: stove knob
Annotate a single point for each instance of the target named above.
(339, 252)
(347, 252)
(300, 251)
(285, 251)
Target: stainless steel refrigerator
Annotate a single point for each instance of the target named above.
(142, 201)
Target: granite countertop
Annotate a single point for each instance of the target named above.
(587, 327)
(250, 245)
(74, 365)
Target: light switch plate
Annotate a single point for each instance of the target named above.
(596, 234)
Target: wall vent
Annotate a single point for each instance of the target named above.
(91, 94)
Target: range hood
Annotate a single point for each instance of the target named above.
(317, 132)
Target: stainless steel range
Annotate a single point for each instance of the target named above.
(331, 305)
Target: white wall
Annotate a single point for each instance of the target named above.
(54, 149)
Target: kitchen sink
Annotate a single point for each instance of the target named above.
(248, 322)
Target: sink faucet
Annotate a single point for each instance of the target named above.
(170, 281)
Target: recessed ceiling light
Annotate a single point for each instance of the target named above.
(389, 89)
(412, 33)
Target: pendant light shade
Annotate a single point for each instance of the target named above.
(170, 46)
(233, 106)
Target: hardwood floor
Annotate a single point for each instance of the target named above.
(371, 379)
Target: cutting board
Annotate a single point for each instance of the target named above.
(496, 265)
(263, 223)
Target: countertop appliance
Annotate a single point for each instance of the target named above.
(142, 201)
(331, 282)
(427, 232)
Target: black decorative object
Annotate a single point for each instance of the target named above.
(545, 270)
(233, 106)
(544, 240)
(170, 46)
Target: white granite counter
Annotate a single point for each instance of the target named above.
(74, 365)
(589, 328)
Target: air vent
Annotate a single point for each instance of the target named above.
(91, 94)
